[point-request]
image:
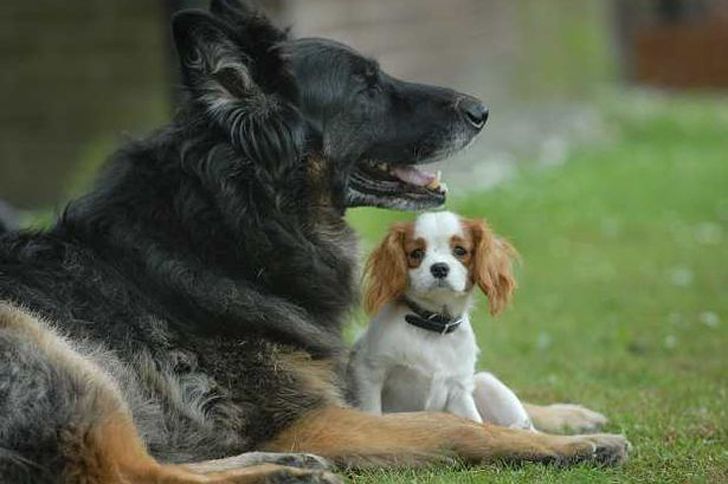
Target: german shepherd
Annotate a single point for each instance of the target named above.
(188, 310)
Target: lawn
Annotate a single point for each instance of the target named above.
(621, 304)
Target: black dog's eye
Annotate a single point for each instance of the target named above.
(371, 74)
(459, 251)
(373, 89)
(417, 254)
(371, 80)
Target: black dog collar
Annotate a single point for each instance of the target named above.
(435, 322)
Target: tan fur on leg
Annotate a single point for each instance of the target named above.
(355, 439)
(114, 453)
(301, 461)
(101, 444)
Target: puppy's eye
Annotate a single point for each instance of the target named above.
(417, 254)
(459, 251)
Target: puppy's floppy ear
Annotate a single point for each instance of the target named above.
(386, 270)
(238, 74)
(492, 268)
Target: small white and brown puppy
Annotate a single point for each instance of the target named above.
(419, 351)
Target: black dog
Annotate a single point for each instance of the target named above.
(190, 306)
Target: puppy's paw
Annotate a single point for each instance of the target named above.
(567, 418)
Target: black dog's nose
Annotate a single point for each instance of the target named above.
(474, 111)
(439, 270)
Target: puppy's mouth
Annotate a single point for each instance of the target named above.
(402, 187)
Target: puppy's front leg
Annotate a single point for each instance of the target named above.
(460, 402)
(498, 404)
(369, 382)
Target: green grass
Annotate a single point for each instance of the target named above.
(622, 303)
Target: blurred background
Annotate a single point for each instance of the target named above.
(605, 161)
(79, 76)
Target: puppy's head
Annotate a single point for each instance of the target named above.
(438, 257)
(276, 100)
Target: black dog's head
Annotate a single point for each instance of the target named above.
(382, 125)
(279, 100)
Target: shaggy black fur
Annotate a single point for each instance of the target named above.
(218, 243)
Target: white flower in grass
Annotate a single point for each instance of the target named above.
(544, 341)
(670, 341)
(708, 233)
(681, 276)
(710, 319)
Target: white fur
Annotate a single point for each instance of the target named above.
(498, 404)
(437, 228)
(398, 367)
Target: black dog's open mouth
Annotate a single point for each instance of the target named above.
(405, 187)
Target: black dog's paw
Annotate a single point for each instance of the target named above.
(301, 476)
(600, 449)
(611, 449)
(302, 461)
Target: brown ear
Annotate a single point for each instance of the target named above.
(492, 267)
(386, 270)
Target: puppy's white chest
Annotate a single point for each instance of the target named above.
(439, 356)
(428, 367)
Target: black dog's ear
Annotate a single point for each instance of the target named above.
(240, 77)
(232, 9)
(213, 67)
(258, 36)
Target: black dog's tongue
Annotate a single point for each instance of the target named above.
(413, 176)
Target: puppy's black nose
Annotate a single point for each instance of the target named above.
(474, 112)
(439, 270)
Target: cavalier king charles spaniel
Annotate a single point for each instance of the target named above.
(419, 351)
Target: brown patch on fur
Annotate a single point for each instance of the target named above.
(386, 269)
(101, 444)
(318, 176)
(59, 351)
(410, 246)
(490, 263)
(112, 452)
(466, 242)
(355, 439)
(109, 451)
(317, 376)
